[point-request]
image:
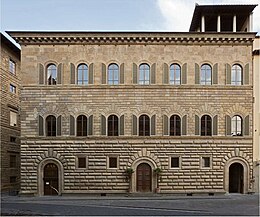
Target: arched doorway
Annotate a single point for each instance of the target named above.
(236, 178)
(144, 178)
(50, 179)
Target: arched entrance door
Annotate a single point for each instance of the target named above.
(50, 179)
(144, 178)
(236, 178)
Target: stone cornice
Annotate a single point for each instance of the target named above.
(128, 38)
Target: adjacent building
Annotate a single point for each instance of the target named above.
(95, 105)
(256, 157)
(10, 121)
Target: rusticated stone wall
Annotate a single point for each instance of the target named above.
(127, 99)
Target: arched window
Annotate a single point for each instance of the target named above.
(236, 75)
(81, 125)
(113, 74)
(206, 125)
(112, 125)
(51, 125)
(52, 74)
(236, 126)
(175, 74)
(144, 74)
(144, 125)
(175, 125)
(82, 74)
(206, 75)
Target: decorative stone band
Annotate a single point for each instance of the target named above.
(25, 38)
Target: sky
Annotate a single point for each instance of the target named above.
(106, 15)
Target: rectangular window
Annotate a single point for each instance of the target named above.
(12, 66)
(13, 161)
(205, 162)
(12, 88)
(82, 162)
(112, 162)
(12, 139)
(175, 162)
(13, 179)
(13, 118)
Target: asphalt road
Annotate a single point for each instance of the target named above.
(224, 205)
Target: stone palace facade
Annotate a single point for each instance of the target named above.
(97, 104)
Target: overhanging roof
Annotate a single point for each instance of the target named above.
(217, 9)
(9, 44)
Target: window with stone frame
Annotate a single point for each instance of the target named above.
(144, 74)
(13, 118)
(82, 162)
(144, 125)
(51, 128)
(52, 74)
(175, 74)
(13, 161)
(12, 88)
(82, 72)
(236, 126)
(175, 162)
(206, 125)
(12, 66)
(12, 139)
(175, 125)
(236, 75)
(113, 74)
(205, 162)
(206, 75)
(112, 125)
(112, 162)
(82, 122)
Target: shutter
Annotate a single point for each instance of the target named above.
(103, 125)
(134, 125)
(91, 74)
(197, 125)
(228, 125)
(246, 126)
(41, 74)
(153, 74)
(197, 74)
(59, 126)
(90, 125)
(246, 74)
(72, 73)
(165, 125)
(59, 73)
(134, 73)
(40, 125)
(215, 74)
(103, 74)
(122, 125)
(215, 125)
(153, 125)
(165, 74)
(122, 73)
(184, 125)
(228, 74)
(184, 74)
(72, 126)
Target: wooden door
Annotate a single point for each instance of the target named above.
(236, 178)
(50, 179)
(144, 178)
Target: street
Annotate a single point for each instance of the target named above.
(233, 204)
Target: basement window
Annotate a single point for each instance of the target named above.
(82, 162)
(112, 162)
